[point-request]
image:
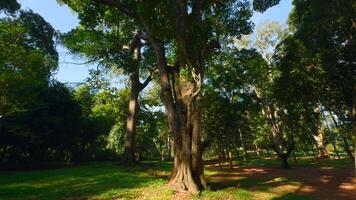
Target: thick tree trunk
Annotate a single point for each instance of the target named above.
(319, 140)
(197, 160)
(279, 144)
(285, 164)
(184, 120)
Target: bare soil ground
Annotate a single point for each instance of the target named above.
(319, 183)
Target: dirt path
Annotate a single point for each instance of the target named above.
(320, 183)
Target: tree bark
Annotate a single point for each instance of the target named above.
(129, 157)
(319, 140)
(230, 157)
(279, 144)
(168, 149)
(285, 164)
(333, 137)
(257, 151)
(130, 142)
(353, 118)
(184, 120)
(319, 136)
(243, 145)
(344, 138)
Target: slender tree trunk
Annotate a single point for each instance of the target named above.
(257, 151)
(132, 116)
(237, 147)
(2, 154)
(243, 145)
(168, 149)
(319, 136)
(295, 157)
(353, 118)
(344, 138)
(335, 148)
(197, 161)
(219, 152)
(230, 157)
(333, 137)
(130, 144)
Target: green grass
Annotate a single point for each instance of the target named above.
(108, 180)
(301, 162)
(97, 180)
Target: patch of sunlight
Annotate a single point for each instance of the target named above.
(243, 194)
(255, 170)
(210, 172)
(229, 193)
(291, 187)
(157, 193)
(348, 185)
(263, 195)
(118, 194)
(276, 180)
(327, 168)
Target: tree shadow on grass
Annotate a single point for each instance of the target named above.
(84, 181)
(297, 183)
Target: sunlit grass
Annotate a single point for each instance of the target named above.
(98, 181)
(108, 180)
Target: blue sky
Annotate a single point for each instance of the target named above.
(62, 19)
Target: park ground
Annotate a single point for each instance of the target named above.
(256, 179)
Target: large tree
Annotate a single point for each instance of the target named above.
(189, 30)
(115, 51)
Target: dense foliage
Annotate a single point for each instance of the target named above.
(197, 83)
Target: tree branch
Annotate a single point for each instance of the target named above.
(145, 83)
(123, 8)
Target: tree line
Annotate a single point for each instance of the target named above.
(198, 84)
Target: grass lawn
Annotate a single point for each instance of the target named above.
(108, 180)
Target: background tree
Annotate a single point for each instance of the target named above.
(113, 50)
(316, 60)
(33, 108)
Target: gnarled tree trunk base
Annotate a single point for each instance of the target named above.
(182, 179)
